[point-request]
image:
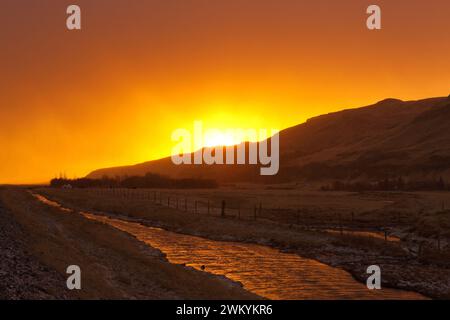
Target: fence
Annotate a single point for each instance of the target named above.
(337, 222)
(184, 203)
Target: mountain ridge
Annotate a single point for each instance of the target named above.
(389, 138)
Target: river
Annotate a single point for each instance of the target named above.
(261, 269)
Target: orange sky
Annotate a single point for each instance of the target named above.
(112, 93)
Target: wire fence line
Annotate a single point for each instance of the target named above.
(186, 203)
(244, 209)
(336, 222)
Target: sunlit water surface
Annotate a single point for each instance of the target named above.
(262, 270)
(369, 234)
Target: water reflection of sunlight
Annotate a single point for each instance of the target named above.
(266, 271)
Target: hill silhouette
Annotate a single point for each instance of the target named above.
(387, 139)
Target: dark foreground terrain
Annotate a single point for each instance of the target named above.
(410, 259)
(38, 243)
(22, 275)
(39, 240)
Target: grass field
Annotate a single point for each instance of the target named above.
(424, 213)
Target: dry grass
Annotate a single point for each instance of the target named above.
(421, 212)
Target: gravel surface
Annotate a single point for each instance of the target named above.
(21, 275)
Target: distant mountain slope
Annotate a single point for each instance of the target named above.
(389, 138)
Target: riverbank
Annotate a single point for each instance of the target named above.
(400, 269)
(39, 243)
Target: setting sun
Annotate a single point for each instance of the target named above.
(215, 139)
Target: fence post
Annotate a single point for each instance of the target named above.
(185, 204)
(223, 209)
(254, 211)
(439, 241)
(305, 217)
(195, 205)
(341, 230)
(239, 210)
(298, 216)
(208, 207)
(177, 203)
(168, 201)
(260, 209)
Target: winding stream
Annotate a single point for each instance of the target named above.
(262, 270)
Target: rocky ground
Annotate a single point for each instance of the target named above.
(22, 275)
